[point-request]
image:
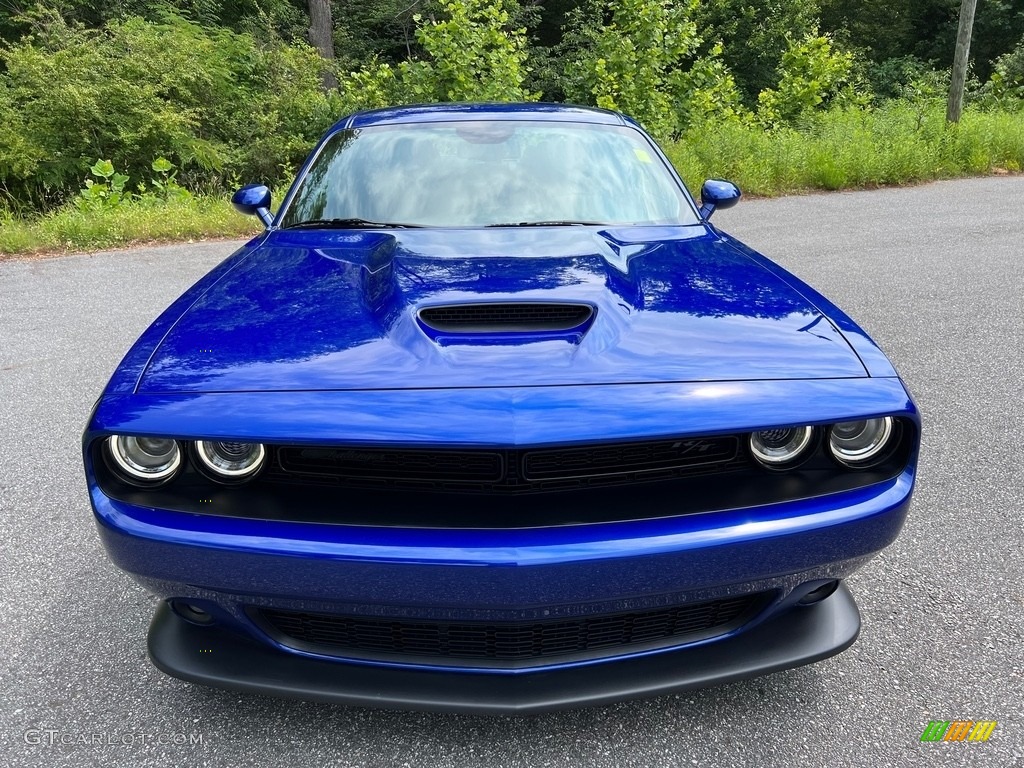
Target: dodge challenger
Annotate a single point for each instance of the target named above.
(491, 418)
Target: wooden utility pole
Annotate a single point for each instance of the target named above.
(960, 60)
(321, 37)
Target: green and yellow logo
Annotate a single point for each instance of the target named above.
(958, 730)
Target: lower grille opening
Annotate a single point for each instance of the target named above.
(505, 643)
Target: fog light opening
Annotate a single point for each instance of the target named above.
(818, 594)
(190, 612)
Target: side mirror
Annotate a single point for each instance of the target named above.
(717, 194)
(254, 200)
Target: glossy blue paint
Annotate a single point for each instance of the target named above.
(673, 305)
(254, 200)
(500, 416)
(310, 337)
(717, 195)
(619, 542)
(874, 360)
(467, 574)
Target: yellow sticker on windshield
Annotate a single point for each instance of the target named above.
(641, 155)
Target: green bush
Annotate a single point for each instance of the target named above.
(473, 54)
(1005, 89)
(630, 63)
(108, 190)
(754, 35)
(641, 57)
(812, 76)
(217, 103)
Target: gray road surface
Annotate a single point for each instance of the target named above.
(935, 273)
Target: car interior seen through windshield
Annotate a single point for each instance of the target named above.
(489, 173)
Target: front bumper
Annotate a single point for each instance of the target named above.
(224, 567)
(223, 659)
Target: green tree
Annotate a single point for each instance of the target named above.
(321, 37)
(381, 29)
(998, 28)
(814, 76)
(642, 60)
(285, 18)
(472, 53)
(880, 29)
(1005, 88)
(754, 35)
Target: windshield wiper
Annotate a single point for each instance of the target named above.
(349, 224)
(556, 223)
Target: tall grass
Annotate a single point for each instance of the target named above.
(897, 143)
(69, 229)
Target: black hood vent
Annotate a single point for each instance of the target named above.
(506, 317)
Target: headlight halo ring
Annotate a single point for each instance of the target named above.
(229, 461)
(137, 460)
(864, 442)
(782, 448)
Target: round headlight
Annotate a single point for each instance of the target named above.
(858, 443)
(146, 460)
(230, 459)
(780, 447)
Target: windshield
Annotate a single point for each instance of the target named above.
(489, 173)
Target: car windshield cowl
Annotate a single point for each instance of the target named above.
(351, 223)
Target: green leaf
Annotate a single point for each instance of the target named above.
(103, 168)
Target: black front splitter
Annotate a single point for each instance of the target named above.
(213, 656)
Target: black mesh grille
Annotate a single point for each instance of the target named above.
(506, 317)
(387, 464)
(507, 641)
(508, 470)
(626, 457)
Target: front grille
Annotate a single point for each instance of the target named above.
(388, 464)
(507, 470)
(368, 637)
(504, 317)
(626, 457)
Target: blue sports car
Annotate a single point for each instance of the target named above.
(490, 418)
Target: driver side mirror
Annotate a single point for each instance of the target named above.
(717, 194)
(254, 200)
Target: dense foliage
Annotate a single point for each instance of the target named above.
(216, 102)
(473, 53)
(230, 92)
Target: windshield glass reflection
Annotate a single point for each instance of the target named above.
(480, 173)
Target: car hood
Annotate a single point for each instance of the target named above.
(308, 311)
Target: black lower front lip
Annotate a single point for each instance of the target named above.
(213, 656)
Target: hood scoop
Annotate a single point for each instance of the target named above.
(513, 322)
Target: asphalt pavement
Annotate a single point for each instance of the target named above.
(935, 273)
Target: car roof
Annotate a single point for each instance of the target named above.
(435, 113)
